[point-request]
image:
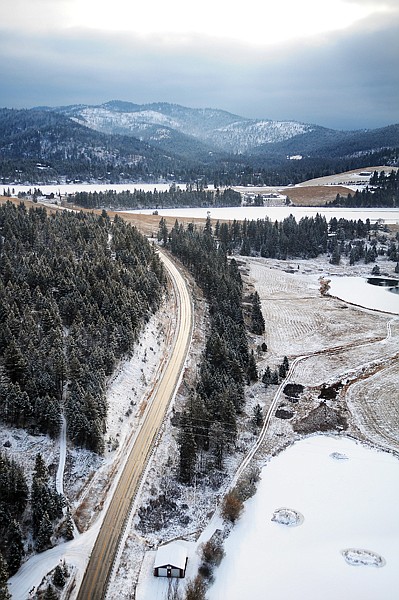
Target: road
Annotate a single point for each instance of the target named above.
(98, 571)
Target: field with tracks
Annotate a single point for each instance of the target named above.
(339, 344)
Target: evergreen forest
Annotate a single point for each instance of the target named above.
(383, 191)
(210, 419)
(75, 290)
(192, 196)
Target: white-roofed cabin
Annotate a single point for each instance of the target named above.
(171, 560)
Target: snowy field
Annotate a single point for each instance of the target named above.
(348, 503)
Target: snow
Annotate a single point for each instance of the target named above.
(174, 554)
(72, 188)
(356, 290)
(277, 213)
(346, 504)
(356, 557)
(59, 480)
(341, 508)
(288, 517)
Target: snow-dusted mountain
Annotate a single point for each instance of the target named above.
(159, 122)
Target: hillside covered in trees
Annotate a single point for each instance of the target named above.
(43, 145)
(74, 293)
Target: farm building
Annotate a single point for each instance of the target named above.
(171, 560)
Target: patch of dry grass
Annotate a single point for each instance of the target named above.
(315, 195)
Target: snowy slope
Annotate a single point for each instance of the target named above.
(219, 128)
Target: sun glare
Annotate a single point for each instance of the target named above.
(254, 23)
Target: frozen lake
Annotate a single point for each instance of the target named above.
(228, 213)
(356, 290)
(350, 503)
(278, 213)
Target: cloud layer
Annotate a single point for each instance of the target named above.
(344, 79)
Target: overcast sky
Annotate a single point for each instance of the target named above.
(329, 62)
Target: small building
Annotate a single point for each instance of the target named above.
(171, 560)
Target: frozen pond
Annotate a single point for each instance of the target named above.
(279, 213)
(72, 188)
(356, 290)
(346, 504)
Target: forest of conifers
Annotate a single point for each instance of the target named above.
(383, 192)
(74, 293)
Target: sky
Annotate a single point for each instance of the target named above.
(330, 62)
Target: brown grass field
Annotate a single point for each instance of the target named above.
(315, 195)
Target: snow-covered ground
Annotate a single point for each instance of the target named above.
(345, 504)
(299, 322)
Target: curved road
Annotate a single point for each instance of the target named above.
(95, 580)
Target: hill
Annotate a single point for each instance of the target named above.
(122, 141)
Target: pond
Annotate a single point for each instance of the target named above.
(363, 292)
(347, 496)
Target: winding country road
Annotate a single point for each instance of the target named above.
(95, 580)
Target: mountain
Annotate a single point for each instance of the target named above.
(46, 145)
(158, 123)
(124, 141)
(194, 132)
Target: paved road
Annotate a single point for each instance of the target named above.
(96, 577)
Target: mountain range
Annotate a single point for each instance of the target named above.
(120, 140)
(164, 125)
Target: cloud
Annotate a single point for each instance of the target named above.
(345, 79)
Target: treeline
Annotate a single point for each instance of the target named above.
(273, 239)
(384, 192)
(209, 423)
(192, 196)
(75, 290)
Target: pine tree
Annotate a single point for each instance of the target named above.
(258, 415)
(252, 371)
(188, 451)
(163, 232)
(15, 547)
(44, 533)
(267, 376)
(274, 378)
(282, 371)
(59, 577)
(50, 593)
(4, 593)
(257, 320)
